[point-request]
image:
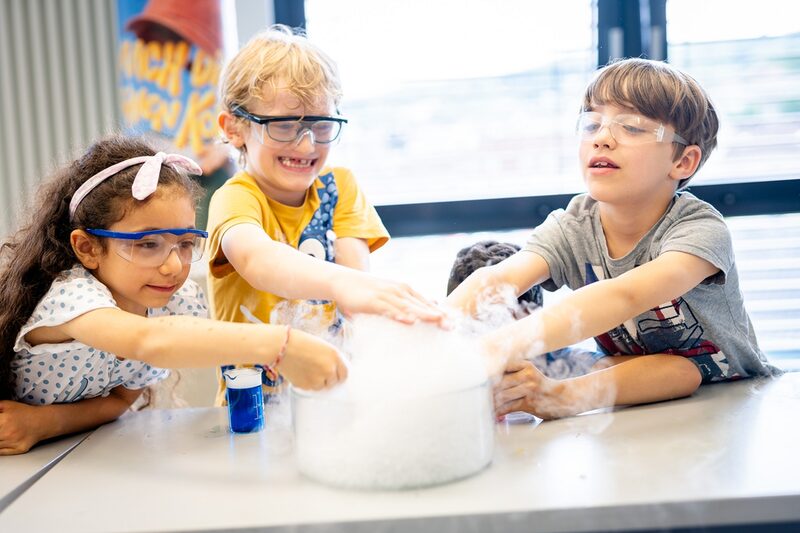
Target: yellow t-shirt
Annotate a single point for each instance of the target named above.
(334, 207)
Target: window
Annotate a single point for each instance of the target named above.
(749, 62)
(476, 100)
(455, 100)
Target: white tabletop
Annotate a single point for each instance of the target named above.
(727, 455)
(18, 472)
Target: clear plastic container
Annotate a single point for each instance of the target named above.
(393, 443)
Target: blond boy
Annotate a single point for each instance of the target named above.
(287, 227)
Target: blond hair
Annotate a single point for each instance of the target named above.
(662, 92)
(280, 55)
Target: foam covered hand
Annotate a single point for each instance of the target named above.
(376, 296)
(524, 388)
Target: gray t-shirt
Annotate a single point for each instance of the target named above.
(708, 324)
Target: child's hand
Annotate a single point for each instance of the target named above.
(398, 301)
(311, 363)
(496, 352)
(18, 427)
(524, 388)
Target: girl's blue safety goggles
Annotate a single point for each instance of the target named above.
(152, 248)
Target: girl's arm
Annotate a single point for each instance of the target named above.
(191, 342)
(22, 425)
(279, 269)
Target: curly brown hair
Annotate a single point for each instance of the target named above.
(487, 253)
(33, 256)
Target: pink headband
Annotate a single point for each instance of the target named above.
(146, 180)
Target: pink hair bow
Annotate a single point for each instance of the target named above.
(146, 181)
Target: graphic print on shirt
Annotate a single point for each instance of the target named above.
(318, 237)
(623, 338)
(671, 328)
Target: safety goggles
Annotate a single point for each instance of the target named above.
(152, 248)
(626, 129)
(323, 129)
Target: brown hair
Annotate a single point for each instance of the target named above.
(487, 253)
(32, 258)
(659, 91)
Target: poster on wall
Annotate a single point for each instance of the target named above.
(170, 56)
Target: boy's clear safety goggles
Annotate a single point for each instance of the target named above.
(152, 248)
(626, 129)
(322, 129)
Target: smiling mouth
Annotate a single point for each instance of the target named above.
(159, 288)
(297, 163)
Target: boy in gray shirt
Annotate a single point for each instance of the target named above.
(652, 268)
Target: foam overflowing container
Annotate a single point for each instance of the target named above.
(393, 442)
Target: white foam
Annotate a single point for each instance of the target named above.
(416, 410)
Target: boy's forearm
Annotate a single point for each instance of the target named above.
(573, 319)
(275, 267)
(279, 269)
(465, 296)
(519, 273)
(353, 253)
(585, 313)
(598, 307)
(643, 379)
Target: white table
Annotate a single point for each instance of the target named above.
(19, 472)
(727, 455)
